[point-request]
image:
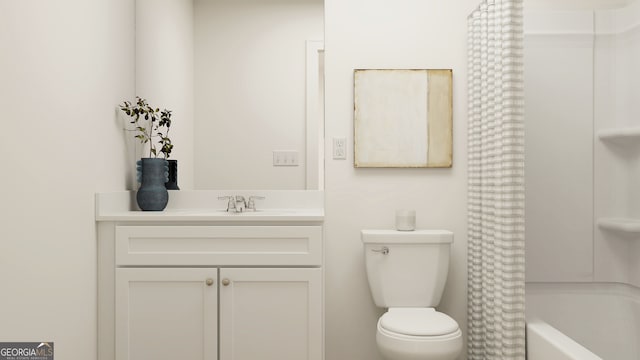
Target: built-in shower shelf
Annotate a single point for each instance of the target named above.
(625, 225)
(627, 135)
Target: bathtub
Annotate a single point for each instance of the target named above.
(590, 321)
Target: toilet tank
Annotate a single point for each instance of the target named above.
(414, 270)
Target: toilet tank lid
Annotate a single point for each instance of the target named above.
(406, 237)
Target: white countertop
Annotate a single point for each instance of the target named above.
(203, 205)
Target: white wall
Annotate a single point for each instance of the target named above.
(388, 34)
(572, 5)
(164, 74)
(250, 90)
(617, 168)
(65, 65)
(581, 77)
(68, 63)
(558, 58)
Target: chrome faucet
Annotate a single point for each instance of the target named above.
(239, 204)
(251, 204)
(231, 205)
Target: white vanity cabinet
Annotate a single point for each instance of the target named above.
(166, 313)
(271, 314)
(263, 313)
(210, 290)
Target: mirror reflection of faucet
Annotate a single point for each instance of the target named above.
(239, 204)
(251, 204)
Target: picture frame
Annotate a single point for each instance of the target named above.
(403, 118)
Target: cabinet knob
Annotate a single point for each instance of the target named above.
(209, 282)
(226, 282)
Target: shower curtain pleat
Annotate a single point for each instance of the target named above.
(496, 182)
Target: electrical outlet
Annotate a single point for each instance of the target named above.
(285, 158)
(339, 148)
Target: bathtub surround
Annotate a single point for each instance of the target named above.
(601, 317)
(582, 249)
(559, 211)
(496, 182)
(616, 254)
(546, 342)
(589, 56)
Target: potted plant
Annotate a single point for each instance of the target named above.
(151, 127)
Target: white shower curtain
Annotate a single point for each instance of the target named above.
(496, 182)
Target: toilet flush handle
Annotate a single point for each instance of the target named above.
(384, 250)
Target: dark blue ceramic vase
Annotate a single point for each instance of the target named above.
(152, 194)
(172, 183)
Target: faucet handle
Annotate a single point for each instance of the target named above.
(251, 205)
(231, 205)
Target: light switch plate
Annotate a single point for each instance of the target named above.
(285, 158)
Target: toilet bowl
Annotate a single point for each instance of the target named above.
(407, 273)
(418, 334)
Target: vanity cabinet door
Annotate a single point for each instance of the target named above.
(166, 314)
(271, 314)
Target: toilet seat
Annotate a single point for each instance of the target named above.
(419, 322)
(418, 339)
(394, 342)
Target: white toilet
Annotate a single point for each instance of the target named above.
(407, 271)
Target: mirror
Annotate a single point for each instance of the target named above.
(250, 75)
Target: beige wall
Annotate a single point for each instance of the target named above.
(164, 74)
(403, 34)
(69, 62)
(64, 66)
(250, 91)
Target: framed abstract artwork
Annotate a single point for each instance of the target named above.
(403, 118)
